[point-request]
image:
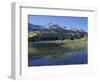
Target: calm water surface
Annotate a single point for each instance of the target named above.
(55, 55)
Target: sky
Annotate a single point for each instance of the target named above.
(67, 21)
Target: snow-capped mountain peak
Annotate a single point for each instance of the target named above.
(53, 27)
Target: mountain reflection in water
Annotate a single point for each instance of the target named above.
(53, 54)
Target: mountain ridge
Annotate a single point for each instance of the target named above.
(53, 32)
(51, 26)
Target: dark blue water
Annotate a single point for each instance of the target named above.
(76, 57)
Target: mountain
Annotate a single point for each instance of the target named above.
(32, 27)
(53, 28)
(53, 32)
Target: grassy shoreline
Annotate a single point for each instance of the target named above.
(56, 48)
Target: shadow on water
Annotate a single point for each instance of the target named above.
(43, 54)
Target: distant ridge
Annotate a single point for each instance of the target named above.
(52, 27)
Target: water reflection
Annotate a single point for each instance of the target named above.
(41, 54)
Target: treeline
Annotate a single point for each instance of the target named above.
(55, 36)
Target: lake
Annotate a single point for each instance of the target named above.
(45, 54)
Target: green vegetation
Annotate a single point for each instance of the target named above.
(49, 36)
(56, 48)
(54, 44)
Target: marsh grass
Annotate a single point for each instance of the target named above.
(54, 49)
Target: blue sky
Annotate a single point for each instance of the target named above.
(68, 21)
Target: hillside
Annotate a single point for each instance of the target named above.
(53, 32)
